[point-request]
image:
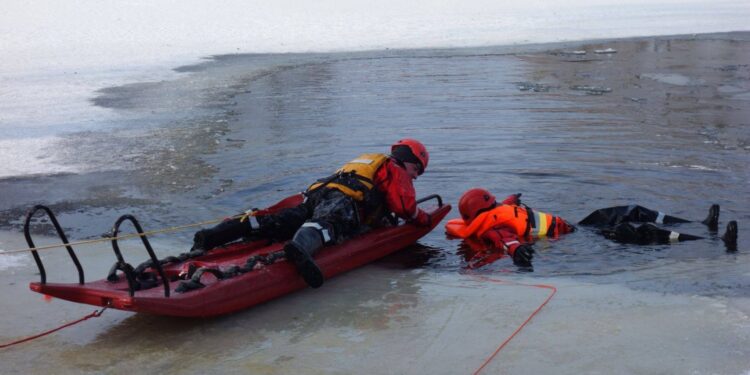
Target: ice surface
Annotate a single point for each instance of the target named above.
(57, 54)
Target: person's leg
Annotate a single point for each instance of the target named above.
(279, 226)
(222, 233)
(623, 232)
(645, 234)
(335, 216)
(650, 233)
(608, 217)
(612, 216)
(282, 225)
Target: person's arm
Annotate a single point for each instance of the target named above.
(400, 197)
(507, 240)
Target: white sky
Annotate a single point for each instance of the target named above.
(50, 34)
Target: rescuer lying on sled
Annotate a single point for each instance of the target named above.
(511, 227)
(359, 195)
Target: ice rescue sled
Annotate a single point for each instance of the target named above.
(225, 279)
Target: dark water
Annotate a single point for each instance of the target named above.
(665, 126)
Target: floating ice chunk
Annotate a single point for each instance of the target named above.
(592, 90)
(569, 53)
(729, 89)
(608, 50)
(673, 79)
(637, 100)
(535, 87)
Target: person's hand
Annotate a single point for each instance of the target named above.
(423, 219)
(523, 255)
(518, 198)
(513, 199)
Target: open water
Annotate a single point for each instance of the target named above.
(669, 132)
(663, 122)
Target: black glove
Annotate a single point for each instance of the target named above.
(523, 255)
(518, 200)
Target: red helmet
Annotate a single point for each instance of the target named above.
(411, 151)
(473, 202)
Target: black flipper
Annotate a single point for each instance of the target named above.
(712, 220)
(730, 236)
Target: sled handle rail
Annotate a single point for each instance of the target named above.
(155, 262)
(60, 233)
(431, 196)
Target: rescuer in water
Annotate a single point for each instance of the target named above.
(360, 194)
(508, 227)
(511, 227)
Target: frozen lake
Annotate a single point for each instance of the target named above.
(113, 111)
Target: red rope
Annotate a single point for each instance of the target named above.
(502, 345)
(94, 314)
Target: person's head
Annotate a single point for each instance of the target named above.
(412, 154)
(475, 201)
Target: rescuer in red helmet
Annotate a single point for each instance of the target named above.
(362, 193)
(512, 227)
(508, 226)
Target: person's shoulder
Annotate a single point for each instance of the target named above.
(391, 167)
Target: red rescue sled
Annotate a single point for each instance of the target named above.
(216, 293)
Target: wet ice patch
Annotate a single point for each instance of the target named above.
(729, 89)
(24, 156)
(693, 166)
(673, 79)
(8, 261)
(353, 335)
(591, 90)
(734, 92)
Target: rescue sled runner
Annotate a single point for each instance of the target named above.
(223, 280)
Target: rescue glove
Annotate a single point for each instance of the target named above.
(523, 255)
(513, 199)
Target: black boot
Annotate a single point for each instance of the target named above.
(300, 250)
(712, 220)
(730, 236)
(223, 233)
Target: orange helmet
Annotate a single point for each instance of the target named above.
(475, 201)
(411, 151)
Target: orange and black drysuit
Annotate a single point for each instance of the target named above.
(507, 226)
